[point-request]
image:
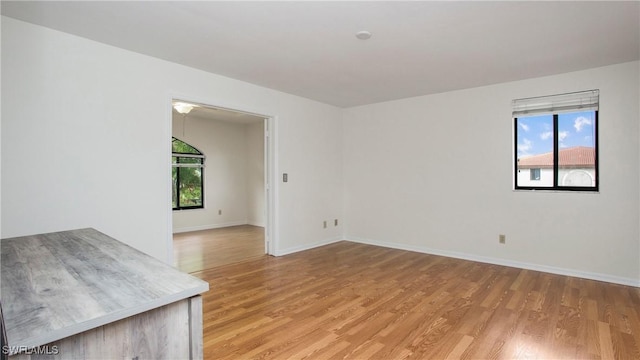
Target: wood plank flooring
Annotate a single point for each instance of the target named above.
(355, 301)
(200, 250)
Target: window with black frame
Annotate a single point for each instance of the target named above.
(187, 175)
(556, 142)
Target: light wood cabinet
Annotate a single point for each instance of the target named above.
(83, 295)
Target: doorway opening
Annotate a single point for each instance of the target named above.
(225, 170)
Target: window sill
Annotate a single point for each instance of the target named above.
(555, 191)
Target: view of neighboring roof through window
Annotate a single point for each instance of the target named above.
(556, 142)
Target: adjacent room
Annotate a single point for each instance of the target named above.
(222, 152)
(363, 180)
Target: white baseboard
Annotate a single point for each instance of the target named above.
(503, 262)
(296, 249)
(255, 223)
(208, 226)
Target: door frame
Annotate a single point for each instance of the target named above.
(271, 231)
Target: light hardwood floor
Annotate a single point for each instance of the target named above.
(349, 300)
(200, 250)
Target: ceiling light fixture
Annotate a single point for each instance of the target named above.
(183, 108)
(363, 35)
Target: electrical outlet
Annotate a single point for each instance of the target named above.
(502, 239)
(220, 212)
(324, 224)
(335, 222)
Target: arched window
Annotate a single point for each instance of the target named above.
(187, 175)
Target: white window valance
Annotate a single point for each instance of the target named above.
(570, 102)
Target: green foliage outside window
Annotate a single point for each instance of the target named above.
(187, 176)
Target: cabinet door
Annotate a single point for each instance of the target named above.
(173, 331)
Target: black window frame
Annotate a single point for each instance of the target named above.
(556, 148)
(197, 154)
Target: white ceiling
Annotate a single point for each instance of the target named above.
(310, 49)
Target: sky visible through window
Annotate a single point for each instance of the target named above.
(535, 133)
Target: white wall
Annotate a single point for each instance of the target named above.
(224, 144)
(546, 178)
(86, 131)
(404, 186)
(0, 122)
(255, 174)
(566, 177)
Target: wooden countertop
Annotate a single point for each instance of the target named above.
(60, 284)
